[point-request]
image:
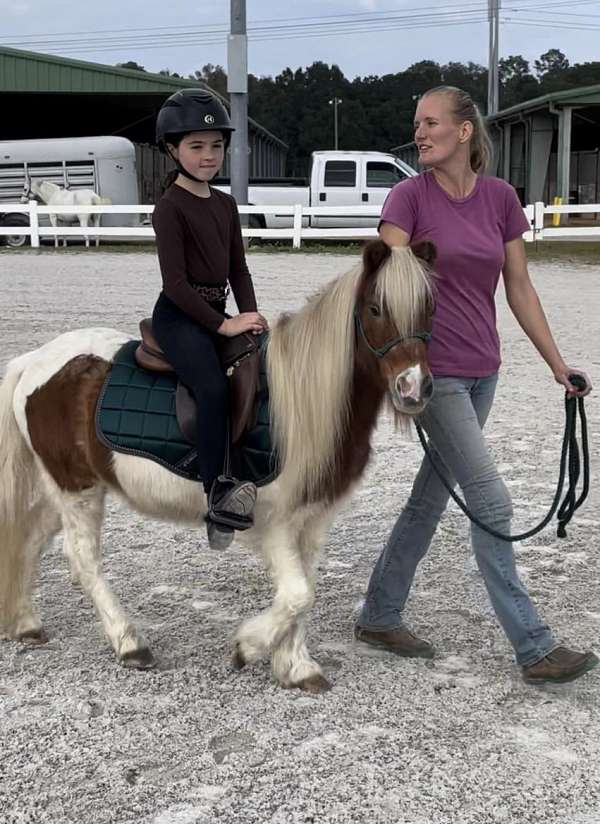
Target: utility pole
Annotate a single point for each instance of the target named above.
(493, 96)
(237, 86)
(335, 102)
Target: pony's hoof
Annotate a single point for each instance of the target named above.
(33, 637)
(141, 659)
(238, 661)
(315, 684)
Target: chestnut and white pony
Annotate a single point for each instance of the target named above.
(330, 367)
(53, 195)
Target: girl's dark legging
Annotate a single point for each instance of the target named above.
(192, 352)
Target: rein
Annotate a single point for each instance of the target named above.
(569, 455)
(383, 350)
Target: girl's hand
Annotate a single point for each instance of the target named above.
(244, 322)
(562, 377)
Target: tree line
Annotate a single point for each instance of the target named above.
(377, 112)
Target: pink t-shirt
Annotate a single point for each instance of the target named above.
(469, 234)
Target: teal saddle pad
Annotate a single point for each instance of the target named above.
(136, 415)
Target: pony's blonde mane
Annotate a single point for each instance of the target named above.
(310, 363)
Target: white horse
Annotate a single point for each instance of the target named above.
(54, 195)
(330, 366)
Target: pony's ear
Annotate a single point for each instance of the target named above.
(375, 253)
(425, 250)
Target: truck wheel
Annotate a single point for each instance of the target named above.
(16, 241)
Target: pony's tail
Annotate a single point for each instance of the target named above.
(17, 482)
(103, 201)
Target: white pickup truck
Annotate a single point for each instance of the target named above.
(337, 178)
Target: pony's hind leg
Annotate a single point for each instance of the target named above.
(96, 223)
(82, 514)
(44, 524)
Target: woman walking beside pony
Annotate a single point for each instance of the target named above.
(476, 223)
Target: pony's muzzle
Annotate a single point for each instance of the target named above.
(412, 390)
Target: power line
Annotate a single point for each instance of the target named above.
(178, 44)
(294, 28)
(259, 33)
(551, 24)
(542, 5)
(283, 28)
(480, 4)
(200, 38)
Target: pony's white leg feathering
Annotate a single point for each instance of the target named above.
(292, 664)
(294, 592)
(17, 488)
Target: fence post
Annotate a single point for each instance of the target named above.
(538, 221)
(34, 224)
(297, 237)
(529, 210)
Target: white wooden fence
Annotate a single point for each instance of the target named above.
(297, 232)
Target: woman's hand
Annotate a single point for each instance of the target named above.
(244, 322)
(562, 376)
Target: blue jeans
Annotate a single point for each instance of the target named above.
(454, 420)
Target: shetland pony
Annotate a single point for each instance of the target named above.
(53, 195)
(330, 367)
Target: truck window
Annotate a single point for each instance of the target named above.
(340, 173)
(383, 175)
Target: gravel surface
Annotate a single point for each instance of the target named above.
(458, 739)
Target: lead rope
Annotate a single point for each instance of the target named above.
(569, 455)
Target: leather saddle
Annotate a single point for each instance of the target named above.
(240, 357)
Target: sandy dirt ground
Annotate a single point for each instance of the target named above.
(460, 739)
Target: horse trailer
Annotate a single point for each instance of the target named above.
(104, 164)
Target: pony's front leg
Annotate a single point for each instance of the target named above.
(83, 222)
(291, 662)
(82, 514)
(293, 596)
(54, 224)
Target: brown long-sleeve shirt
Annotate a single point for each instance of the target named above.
(199, 241)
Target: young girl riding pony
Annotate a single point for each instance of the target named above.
(201, 254)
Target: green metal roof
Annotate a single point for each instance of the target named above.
(32, 72)
(581, 96)
(25, 71)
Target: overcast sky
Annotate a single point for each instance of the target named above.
(379, 45)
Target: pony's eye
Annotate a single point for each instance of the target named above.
(374, 310)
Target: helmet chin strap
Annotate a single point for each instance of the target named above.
(182, 170)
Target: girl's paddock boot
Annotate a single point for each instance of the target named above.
(231, 503)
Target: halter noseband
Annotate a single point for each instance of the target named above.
(383, 350)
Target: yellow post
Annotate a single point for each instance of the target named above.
(556, 217)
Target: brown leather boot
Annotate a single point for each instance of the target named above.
(559, 666)
(401, 641)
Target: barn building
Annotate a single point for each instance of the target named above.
(45, 96)
(546, 147)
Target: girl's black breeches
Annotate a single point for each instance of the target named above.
(192, 352)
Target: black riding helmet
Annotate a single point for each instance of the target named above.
(191, 110)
